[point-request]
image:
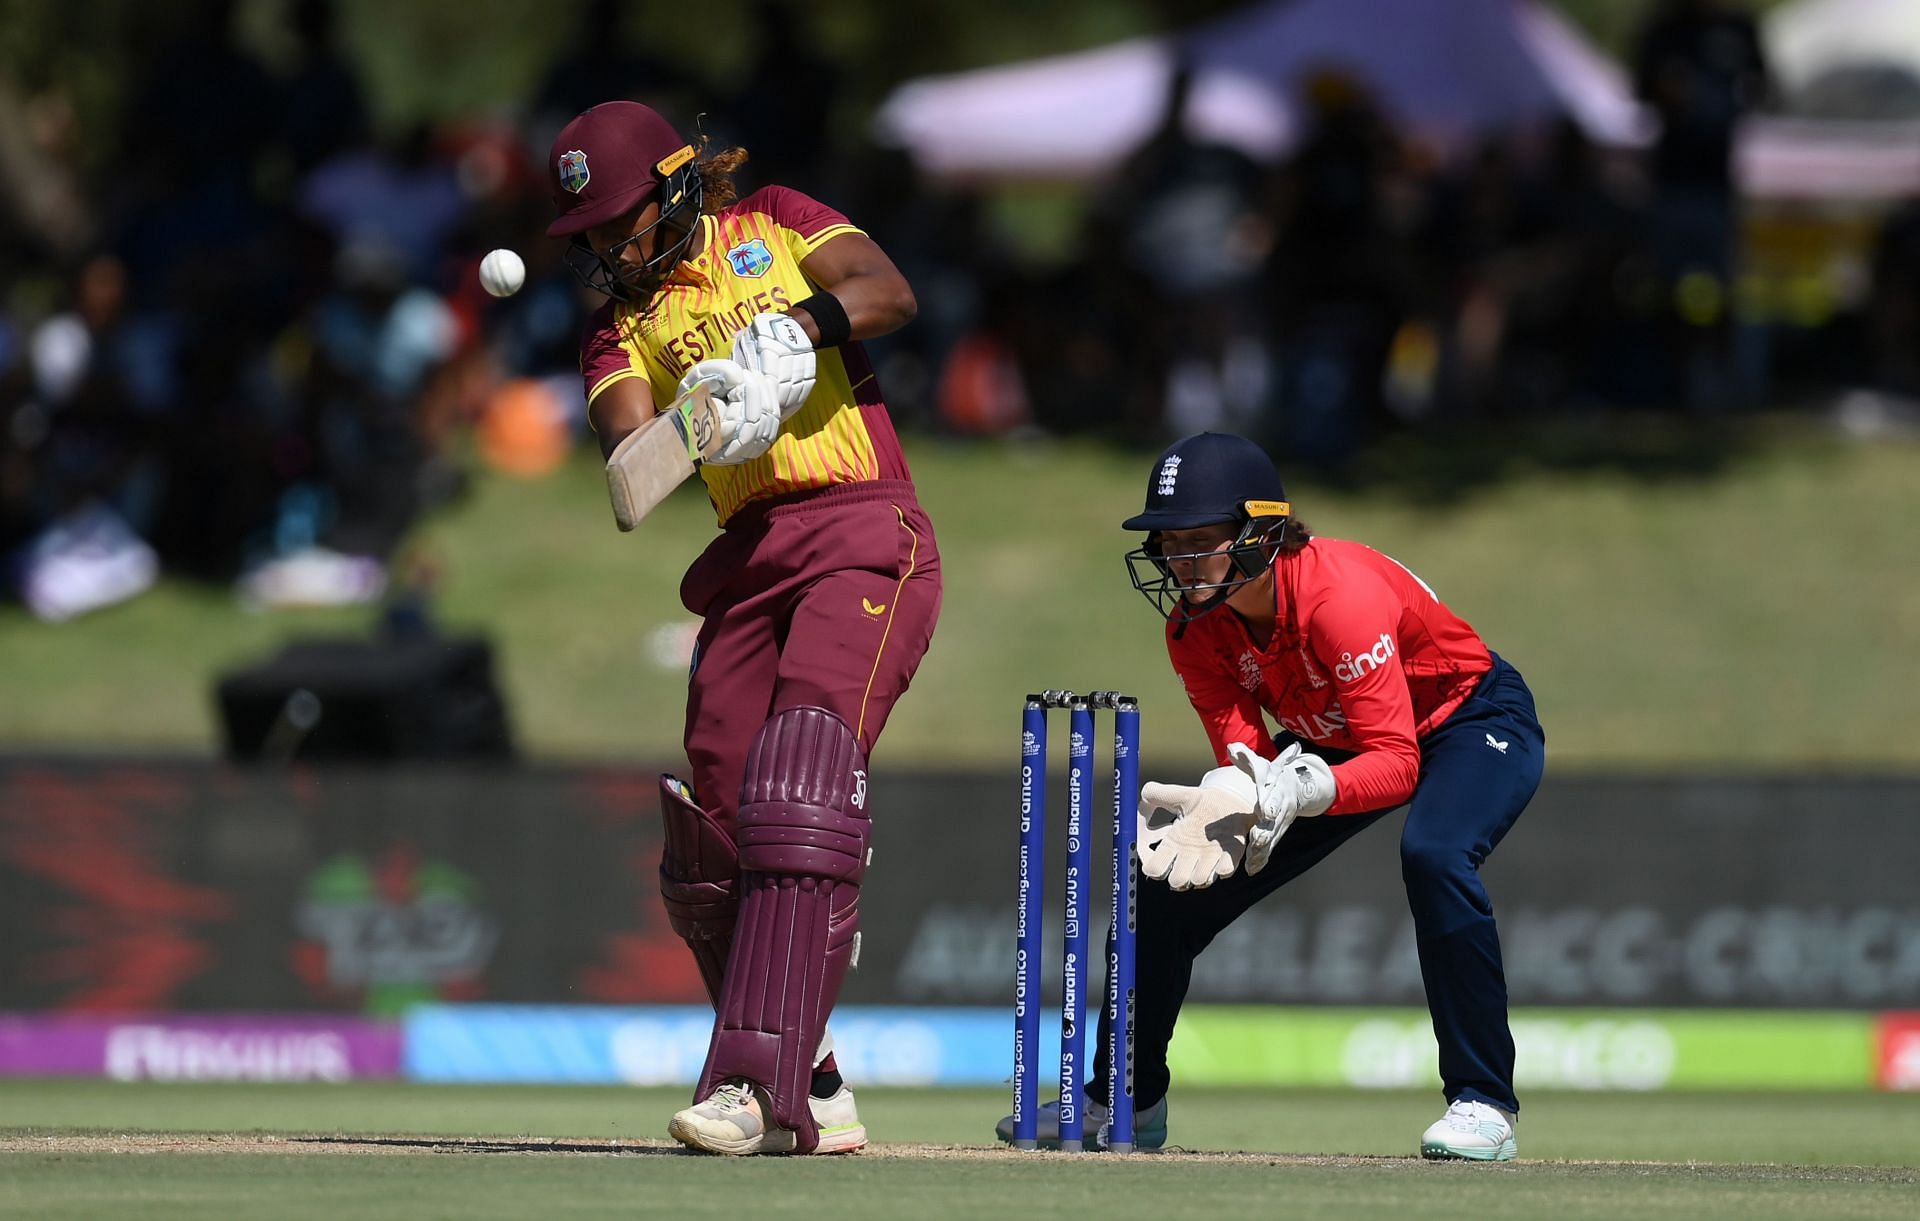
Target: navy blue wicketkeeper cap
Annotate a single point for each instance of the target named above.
(1208, 478)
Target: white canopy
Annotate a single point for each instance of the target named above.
(1813, 37)
(1851, 71)
(1072, 116)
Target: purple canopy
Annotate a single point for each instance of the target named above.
(1446, 67)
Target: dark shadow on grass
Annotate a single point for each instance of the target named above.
(1439, 466)
(454, 1144)
(1444, 462)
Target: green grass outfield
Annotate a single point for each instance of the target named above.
(1678, 599)
(100, 1149)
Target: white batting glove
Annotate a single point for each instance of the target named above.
(1206, 836)
(749, 409)
(774, 344)
(1294, 785)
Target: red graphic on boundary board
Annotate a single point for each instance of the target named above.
(1900, 1051)
(647, 964)
(127, 933)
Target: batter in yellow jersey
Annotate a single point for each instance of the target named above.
(817, 600)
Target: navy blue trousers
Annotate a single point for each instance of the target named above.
(1477, 772)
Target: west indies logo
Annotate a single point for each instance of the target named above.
(393, 932)
(574, 174)
(751, 258)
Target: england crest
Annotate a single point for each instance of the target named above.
(750, 259)
(573, 171)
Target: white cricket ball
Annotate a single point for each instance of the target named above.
(502, 273)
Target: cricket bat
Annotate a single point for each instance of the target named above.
(657, 457)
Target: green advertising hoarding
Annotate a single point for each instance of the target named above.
(1637, 1049)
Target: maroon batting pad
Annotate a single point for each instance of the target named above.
(699, 879)
(803, 843)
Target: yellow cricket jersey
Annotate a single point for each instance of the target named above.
(750, 263)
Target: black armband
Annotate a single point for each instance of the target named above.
(829, 317)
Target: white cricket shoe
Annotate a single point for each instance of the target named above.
(1473, 1131)
(732, 1121)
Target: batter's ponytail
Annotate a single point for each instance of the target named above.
(716, 174)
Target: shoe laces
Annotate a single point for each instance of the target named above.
(735, 1094)
(1470, 1115)
(1465, 1114)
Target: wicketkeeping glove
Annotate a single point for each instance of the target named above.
(774, 344)
(749, 409)
(1206, 836)
(1292, 786)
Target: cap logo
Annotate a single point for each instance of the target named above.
(574, 175)
(1169, 472)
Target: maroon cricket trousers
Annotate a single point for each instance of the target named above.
(824, 597)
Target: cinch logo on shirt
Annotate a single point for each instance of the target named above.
(750, 259)
(1351, 668)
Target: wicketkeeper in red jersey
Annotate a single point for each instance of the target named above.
(818, 598)
(1385, 698)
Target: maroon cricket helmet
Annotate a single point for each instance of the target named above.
(608, 161)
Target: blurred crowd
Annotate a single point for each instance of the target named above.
(1373, 282)
(253, 364)
(252, 367)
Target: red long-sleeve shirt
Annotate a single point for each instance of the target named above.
(1364, 658)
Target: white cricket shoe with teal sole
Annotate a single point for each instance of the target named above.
(1470, 1131)
(1149, 1126)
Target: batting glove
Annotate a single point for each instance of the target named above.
(1295, 785)
(774, 344)
(1206, 836)
(749, 409)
